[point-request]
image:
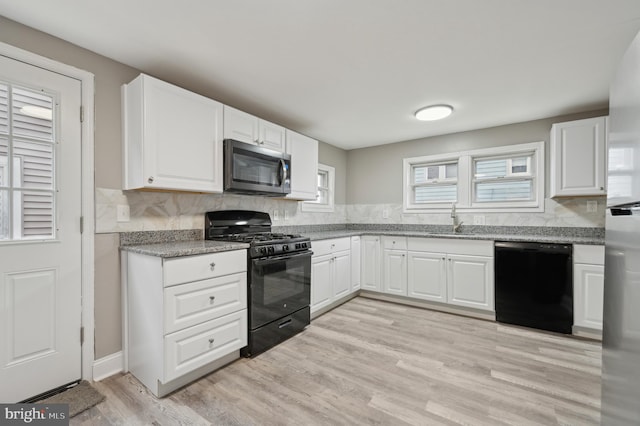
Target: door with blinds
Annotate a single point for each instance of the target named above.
(40, 236)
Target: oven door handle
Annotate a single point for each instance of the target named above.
(264, 261)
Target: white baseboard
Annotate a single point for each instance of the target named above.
(108, 366)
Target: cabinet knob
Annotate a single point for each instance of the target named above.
(150, 180)
(211, 299)
(443, 258)
(602, 188)
(211, 341)
(212, 265)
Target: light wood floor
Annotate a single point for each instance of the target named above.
(373, 362)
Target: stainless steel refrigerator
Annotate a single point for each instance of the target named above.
(621, 330)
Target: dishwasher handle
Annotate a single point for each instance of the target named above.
(533, 246)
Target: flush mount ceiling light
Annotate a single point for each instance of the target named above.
(434, 112)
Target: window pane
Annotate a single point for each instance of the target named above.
(4, 109)
(32, 114)
(323, 179)
(37, 213)
(491, 168)
(4, 162)
(620, 159)
(35, 162)
(4, 214)
(323, 196)
(504, 191)
(451, 171)
(435, 193)
(519, 165)
(619, 186)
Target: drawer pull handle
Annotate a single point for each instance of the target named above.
(211, 341)
(211, 299)
(212, 265)
(284, 323)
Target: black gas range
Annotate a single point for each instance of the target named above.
(278, 275)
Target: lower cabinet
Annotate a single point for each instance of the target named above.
(588, 286)
(394, 265)
(370, 271)
(186, 316)
(330, 271)
(457, 272)
(356, 256)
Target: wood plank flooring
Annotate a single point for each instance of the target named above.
(374, 362)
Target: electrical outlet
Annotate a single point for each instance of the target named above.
(287, 215)
(478, 220)
(385, 213)
(275, 215)
(123, 213)
(592, 206)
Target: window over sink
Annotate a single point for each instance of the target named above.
(507, 178)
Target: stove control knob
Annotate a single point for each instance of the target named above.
(285, 247)
(263, 250)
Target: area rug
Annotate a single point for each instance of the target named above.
(80, 398)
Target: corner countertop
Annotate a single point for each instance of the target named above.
(325, 235)
(184, 248)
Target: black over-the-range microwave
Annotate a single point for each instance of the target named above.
(252, 169)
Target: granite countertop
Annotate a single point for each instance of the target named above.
(184, 248)
(569, 239)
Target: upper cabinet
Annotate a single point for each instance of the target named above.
(248, 128)
(304, 166)
(578, 157)
(172, 138)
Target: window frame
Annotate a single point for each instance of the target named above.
(316, 206)
(466, 180)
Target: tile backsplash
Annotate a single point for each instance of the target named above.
(153, 211)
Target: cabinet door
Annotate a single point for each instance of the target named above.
(271, 136)
(355, 263)
(370, 277)
(578, 157)
(304, 166)
(395, 272)
(588, 294)
(342, 274)
(470, 281)
(173, 138)
(240, 126)
(321, 281)
(427, 276)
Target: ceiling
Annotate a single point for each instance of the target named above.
(352, 73)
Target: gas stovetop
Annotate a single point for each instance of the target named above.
(253, 228)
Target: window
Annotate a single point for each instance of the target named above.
(620, 172)
(326, 187)
(27, 148)
(508, 178)
(432, 183)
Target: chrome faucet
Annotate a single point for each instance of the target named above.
(454, 216)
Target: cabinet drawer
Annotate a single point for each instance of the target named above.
(450, 245)
(323, 247)
(179, 270)
(190, 304)
(394, 243)
(196, 346)
(589, 254)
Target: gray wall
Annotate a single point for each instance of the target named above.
(374, 175)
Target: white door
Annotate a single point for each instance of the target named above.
(395, 272)
(370, 260)
(342, 274)
(470, 281)
(321, 286)
(40, 241)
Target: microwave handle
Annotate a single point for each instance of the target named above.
(283, 172)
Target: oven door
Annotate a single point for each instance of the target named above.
(251, 169)
(279, 286)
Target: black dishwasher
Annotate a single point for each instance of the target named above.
(534, 285)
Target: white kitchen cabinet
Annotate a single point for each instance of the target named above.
(394, 265)
(579, 157)
(248, 128)
(304, 166)
(457, 272)
(330, 272)
(356, 255)
(180, 328)
(427, 276)
(172, 138)
(371, 270)
(588, 286)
